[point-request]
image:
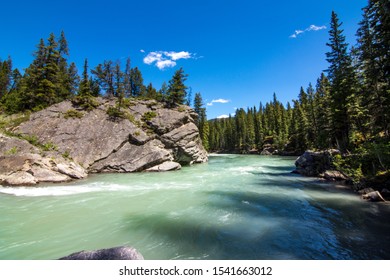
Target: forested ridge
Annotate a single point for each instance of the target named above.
(348, 108)
(50, 79)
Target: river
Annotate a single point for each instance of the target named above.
(234, 207)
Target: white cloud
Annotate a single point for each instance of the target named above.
(220, 100)
(222, 117)
(142, 51)
(310, 28)
(164, 59)
(178, 55)
(315, 28)
(165, 63)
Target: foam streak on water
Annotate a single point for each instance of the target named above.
(234, 207)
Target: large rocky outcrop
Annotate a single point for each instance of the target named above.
(149, 138)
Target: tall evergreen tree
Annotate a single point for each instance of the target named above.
(151, 92)
(374, 64)
(342, 82)
(322, 113)
(177, 90)
(104, 74)
(137, 83)
(127, 78)
(85, 87)
(5, 76)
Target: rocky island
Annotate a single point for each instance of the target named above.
(63, 142)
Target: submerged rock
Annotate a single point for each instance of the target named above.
(117, 253)
(149, 138)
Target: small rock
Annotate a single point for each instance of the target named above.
(334, 175)
(165, 166)
(373, 196)
(116, 253)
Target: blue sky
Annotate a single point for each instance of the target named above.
(236, 53)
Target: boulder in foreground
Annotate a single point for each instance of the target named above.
(116, 253)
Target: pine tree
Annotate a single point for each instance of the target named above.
(322, 113)
(341, 77)
(163, 93)
(151, 92)
(374, 64)
(127, 78)
(71, 82)
(311, 116)
(137, 83)
(85, 87)
(119, 86)
(5, 77)
(32, 95)
(104, 74)
(68, 77)
(177, 90)
(206, 133)
(198, 105)
(201, 122)
(51, 77)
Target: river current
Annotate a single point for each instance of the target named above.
(234, 207)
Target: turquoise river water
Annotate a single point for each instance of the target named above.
(234, 207)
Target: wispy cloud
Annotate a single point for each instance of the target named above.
(310, 28)
(164, 59)
(220, 100)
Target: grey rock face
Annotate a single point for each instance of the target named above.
(150, 138)
(24, 164)
(117, 253)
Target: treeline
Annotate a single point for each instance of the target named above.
(348, 109)
(50, 79)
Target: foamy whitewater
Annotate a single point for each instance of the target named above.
(234, 207)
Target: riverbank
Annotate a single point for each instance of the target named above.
(322, 165)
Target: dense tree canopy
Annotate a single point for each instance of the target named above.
(349, 108)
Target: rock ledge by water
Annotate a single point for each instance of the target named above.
(151, 138)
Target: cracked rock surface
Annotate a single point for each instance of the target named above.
(150, 138)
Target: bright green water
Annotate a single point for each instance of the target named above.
(234, 207)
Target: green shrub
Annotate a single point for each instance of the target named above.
(74, 114)
(12, 151)
(115, 113)
(148, 116)
(49, 146)
(126, 102)
(66, 155)
(32, 139)
(87, 103)
(181, 109)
